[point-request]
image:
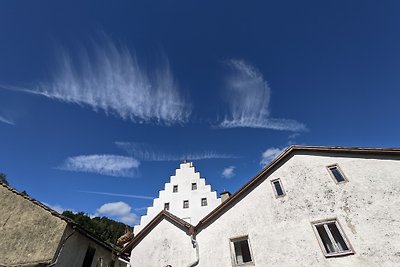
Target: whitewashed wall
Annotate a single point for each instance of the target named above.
(165, 244)
(184, 178)
(280, 231)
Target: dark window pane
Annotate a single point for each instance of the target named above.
(175, 189)
(338, 176)
(242, 252)
(341, 245)
(166, 206)
(325, 239)
(194, 186)
(278, 188)
(87, 262)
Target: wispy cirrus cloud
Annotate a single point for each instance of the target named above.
(120, 211)
(229, 172)
(111, 165)
(248, 97)
(6, 120)
(145, 152)
(270, 154)
(108, 77)
(117, 195)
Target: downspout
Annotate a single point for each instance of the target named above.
(62, 246)
(128, 264)
(195, 245)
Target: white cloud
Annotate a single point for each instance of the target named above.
(108, 77)
(248, 97)
(117, 195)
(146, 152)
(269, 155)
(229, 172)
(6, 120)
(118, 210)
(112, 165)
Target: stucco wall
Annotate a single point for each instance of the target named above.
(280, 231)
(165, 244)
(74, 251)
(28, 233)
(184, 178)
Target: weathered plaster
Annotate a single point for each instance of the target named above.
(279, 229)
(28, 233)
(165, 244)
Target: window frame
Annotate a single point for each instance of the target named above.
(194, 186)
(173, 188)
(233, 252)
(329, 167)
(324, 222)
(201, 202)
(274, 188)
(186, 201)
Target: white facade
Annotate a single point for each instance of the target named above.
(189, 187)
(279, 229)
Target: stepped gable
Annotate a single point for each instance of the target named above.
(186, 196)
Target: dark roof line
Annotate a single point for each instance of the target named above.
(62, 217)
(288, 151)
(153, 223)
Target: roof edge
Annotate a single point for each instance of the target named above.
(152, 224)
(288, 151)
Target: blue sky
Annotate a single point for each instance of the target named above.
(101, 100)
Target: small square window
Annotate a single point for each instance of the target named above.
(278, 188)
(336, 173)
(204, 201)
(166, 206)
(331, 238)
(175, 189)
(241, 251)
(186, 204)
(194, 186)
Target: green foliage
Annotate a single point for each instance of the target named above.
(103, 228)
(3, 178)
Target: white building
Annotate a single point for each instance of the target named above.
(311, 206)
(187, 196)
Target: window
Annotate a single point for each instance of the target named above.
(278, 188)
(186, 204)
(175, 189)
(166, 206)
(204, 201)
(337, 173)
(241, 251)
(331, 238)
(194, 186)
(87, 262)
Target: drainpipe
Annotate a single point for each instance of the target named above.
(195, 245)
(62, 246)
(128, 264)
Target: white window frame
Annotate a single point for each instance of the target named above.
(324, 222)
(329, 167)
(233, 253)
(206, 202)
(274, 188)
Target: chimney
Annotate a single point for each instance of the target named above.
(225, 195)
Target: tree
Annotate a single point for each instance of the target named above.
(105, 229)
(3, 178)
